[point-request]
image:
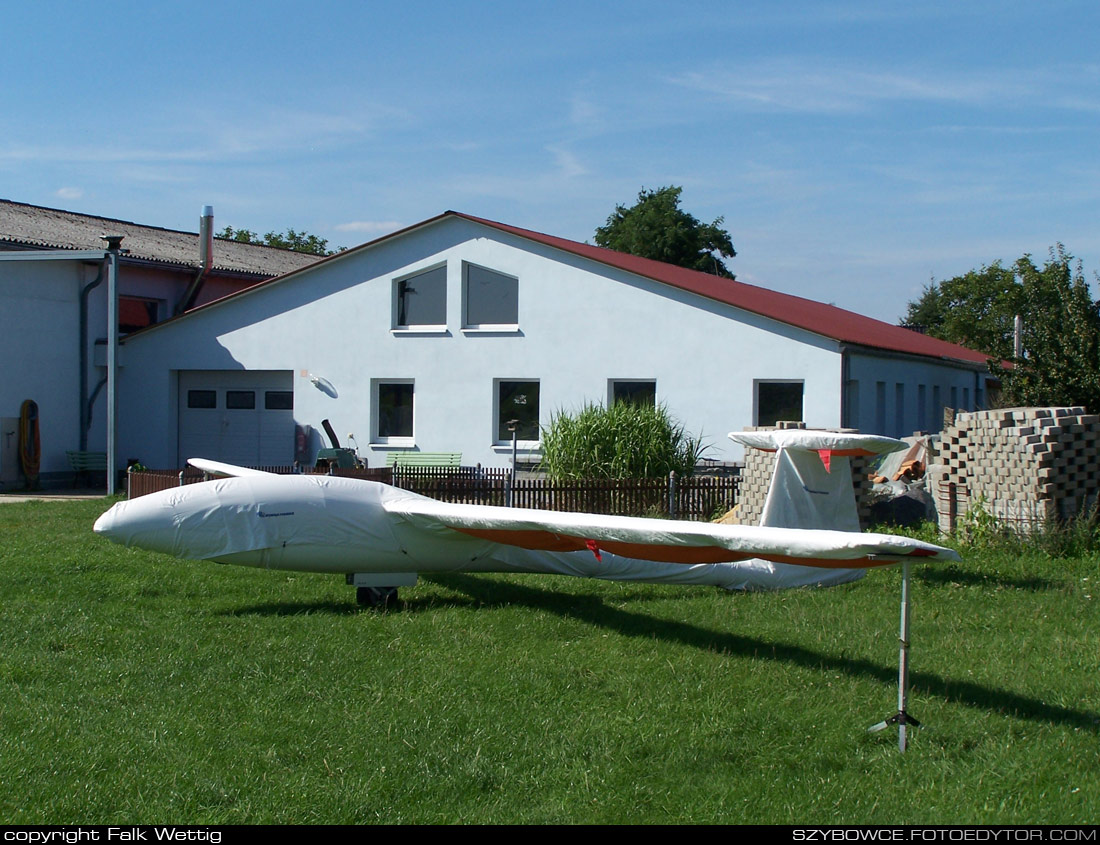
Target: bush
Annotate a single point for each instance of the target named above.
(627, 440)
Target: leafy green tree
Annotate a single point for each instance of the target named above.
(291, 239)
(656, 227)
(1061, 337)
(976, 310)
(627, 440)
(1061, 327)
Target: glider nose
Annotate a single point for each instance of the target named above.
(105, 525)
(138, 522)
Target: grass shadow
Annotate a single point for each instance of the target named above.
(300, 608)
(593, 610)
(955, 575)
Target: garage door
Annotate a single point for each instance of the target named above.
(240, 417)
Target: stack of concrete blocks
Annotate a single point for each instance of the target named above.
(756, 477)
(1028, 466)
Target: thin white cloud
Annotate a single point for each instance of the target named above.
(215, 136)
(370, 227)
(804, 86)
(585, 115)
(69, 193)
(797, 86)
(569, 166)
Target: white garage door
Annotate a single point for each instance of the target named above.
(240, 417)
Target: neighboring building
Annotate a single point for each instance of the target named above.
(435, 337)
(53, 312)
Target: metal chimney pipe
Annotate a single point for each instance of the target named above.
(206, 259)
(206, 237)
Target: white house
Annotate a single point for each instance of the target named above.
(435, 337)
(53, 312)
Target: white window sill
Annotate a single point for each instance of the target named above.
(391, 445)
(421, 330)
(509, 329)
(521, 446)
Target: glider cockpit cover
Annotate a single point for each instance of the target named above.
(811, 487)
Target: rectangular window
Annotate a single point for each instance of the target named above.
(279, 400)
(491, 299)
(922, 406)
(635, 391)
(393, 411)
(517, 404)
(202, 399)
(899, 409)
(778, 400)
(240, 400)
(421, 299)
(853, 404)
(136, 312)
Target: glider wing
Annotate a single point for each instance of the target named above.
(662, 540)
(218, 468)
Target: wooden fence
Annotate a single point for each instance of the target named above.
(696, 497)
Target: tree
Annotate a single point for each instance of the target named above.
(1061, 337)
(1061, 327)
(976, 310)
(656, 227)
(292, 240)
(626, 440)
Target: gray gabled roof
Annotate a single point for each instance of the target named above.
(34, 226)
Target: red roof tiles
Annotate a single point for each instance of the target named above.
(817, 317)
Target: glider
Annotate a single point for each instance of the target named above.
(380, 537)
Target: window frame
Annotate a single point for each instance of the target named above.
(377, 437)
(195, 395)
(469, 325)
(154, 310)
(430, 328)
(234, 404)
(498, 422)
(612, 383)
(757, 383)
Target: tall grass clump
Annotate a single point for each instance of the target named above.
(625, 440)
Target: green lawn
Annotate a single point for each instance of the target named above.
(139, 688)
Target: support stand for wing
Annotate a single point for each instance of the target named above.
(902, 719)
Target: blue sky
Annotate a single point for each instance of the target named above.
(856, 150)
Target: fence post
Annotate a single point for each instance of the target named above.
(181, 478)
(672, 494)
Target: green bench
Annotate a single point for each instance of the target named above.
(84, 462)
(445, 460)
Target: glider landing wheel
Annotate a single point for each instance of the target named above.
(380, 598)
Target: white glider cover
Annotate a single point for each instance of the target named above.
(811, 487)
(328, 524)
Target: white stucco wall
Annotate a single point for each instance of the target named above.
(896, 395)
(39, 330)
(580, 324)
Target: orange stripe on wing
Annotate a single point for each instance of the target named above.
(689, 555)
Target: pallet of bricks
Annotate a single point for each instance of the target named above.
(756, 477)
(1027, 466)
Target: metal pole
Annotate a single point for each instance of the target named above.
(113, 245)
(672, 494)
(902, 718)
(903, 659)
(512, 426)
